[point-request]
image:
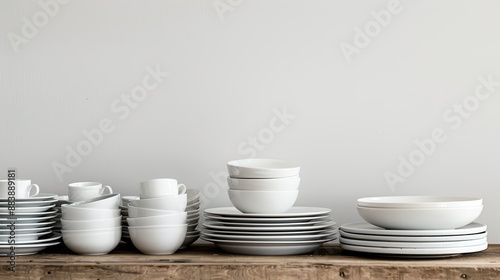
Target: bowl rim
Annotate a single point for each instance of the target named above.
(158, 226)
(240, 163)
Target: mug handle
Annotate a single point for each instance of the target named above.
(37, 190)
(106, 188)
(181, 189)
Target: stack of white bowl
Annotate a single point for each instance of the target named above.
(263, 185)
(92, 227)
(158, 220)
(416, 225)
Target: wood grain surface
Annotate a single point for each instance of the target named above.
(207, 262)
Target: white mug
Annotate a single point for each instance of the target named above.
(87, 190)
(20, 188)
(161, 188)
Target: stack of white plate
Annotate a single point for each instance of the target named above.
(300, 230)
(425, 226)
(33, 222)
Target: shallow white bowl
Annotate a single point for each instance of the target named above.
(276, 184)
(91, 224)
(92, 242)
(172, 203)
(176, 218)
(262, 168)
(108, 201)
(158, 240)
(192, 195)
(79, 213)
(137, 212)
(420, 218)
(194, 206)
(268, 202)
(419, 201)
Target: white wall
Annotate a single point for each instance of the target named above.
(229, 74)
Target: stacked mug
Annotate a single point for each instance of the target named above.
(263, 185)
(91, 223)
(157, 222)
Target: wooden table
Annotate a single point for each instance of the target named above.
(207, 262)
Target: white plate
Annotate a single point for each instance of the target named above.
(312, 227)
(25, 230)
(19, 210)
(225, 223)
(22, 204)
(413, 245)
(267, 220)
(25, 220)
(29, 249)
(256, 242)
(38, 197)
(296, 211)
(413, 238)
(27, 214)
(366, 228)
(47, 238)
(269, 233)
(292, 238)
(419, 251)
(28, 225)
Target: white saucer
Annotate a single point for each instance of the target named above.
(7, 220)
(366, 228)
(48, 238)
(26, 214)
(295, 211)
(267, 220)
(432, 252)
(413, 238)
(270, 238)
(29, 203)
(20, 210)
(4, 231)
(38, 197)
(268, 228)
(28, 249)
(412, 245)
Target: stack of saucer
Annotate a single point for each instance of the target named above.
(124, 210)
(61, 199)
(193, 217)
(263, 221)
(30, 225)
(416, 226)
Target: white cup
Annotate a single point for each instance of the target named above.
(86, 190)
(19, 188)
(161, 188)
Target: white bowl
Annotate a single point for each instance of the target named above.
(192, 195)
(420, 218)
(137, 212)
(91, 224)
(419, 201)
(78, 213)
(264, 202)
(172, 203)
(92, 242)
(194, 206)
(108, 201)
(276, 184)
(176, 218)
(190, 239)
(151, 240)
(262, 168)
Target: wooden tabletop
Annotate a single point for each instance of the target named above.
(207, 262)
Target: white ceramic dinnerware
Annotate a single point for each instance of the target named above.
(80, 213)
(172, 203)
(22, 188)
(160, 188)
(151, 240)
(91, 224)
(108, 201)
(92, 241)
(169, 219)
(274, 184)
(34, 222)
(262, 168)
(263, 201)
(419, 201)
(87, 190)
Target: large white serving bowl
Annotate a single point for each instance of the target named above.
(93, 241)
(137, 212)
(265, 202)
(108, 201)
(275, 184)
(158, 240)
(419, 201)
(262, 168)
(91, 224)
(79, 213)
(172, 203)
(176, 218)
(420, 218)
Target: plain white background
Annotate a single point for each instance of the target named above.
(232, 65)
